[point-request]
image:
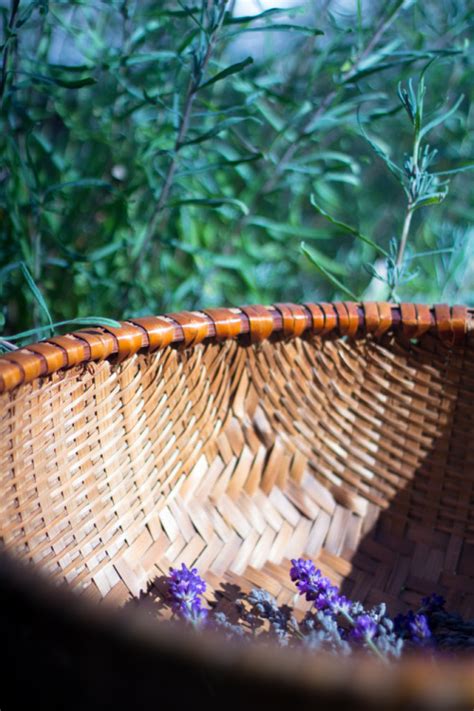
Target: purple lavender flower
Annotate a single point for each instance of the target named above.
(306, 576)
(328, 599)
(432, 603)
(317, 588)
(414, 628)
(185, 590)
(343, 605)
(372, 627)
(418, 628)
(364, 628)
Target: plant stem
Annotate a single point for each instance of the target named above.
(404, 237)
(6, 47)
(379, 32)
(7, 345)
(410, 207)
(193, 87)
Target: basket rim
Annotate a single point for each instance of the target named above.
(254, 323)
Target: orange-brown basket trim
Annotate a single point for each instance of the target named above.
(188, 328)
(261, 322)
(295, 319)
(194, 326)
(74, 349)
(157, 332)
(348, 317)
(387, 318)
(225, 323)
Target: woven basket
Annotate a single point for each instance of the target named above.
(234, 440)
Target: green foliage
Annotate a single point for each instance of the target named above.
(421, 187)
(160, 156)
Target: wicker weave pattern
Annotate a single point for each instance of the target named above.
(235, 454)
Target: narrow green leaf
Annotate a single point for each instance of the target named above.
(144, 57)
(454, 171)
(140, 34)
(390, 58)
(211, 202)
(232, 69)
(360, 31)
(244, 19)
(393, 168)
(326, 156)
(91, 321)
(37, 294)
(431, 199)
(442, 118)
(190, 13)
(420, 101)
(9, 268)
(331, 265)
(376, 68)
(187, 40)
(429, 253)
(82, 183)
(283, 228)
(347, 228)
(335, 177)
(239, 161)
(187, 12)
(222, 126)
(102, 252)
(269, 114)
(334, 281)
(278, 27)
(221, 164)
(382, 113)
(408, 99)
(65, 67)
(85, 321)
(67, 83)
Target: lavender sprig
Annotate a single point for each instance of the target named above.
(321, 631)
(185, 590)
(413, 627)
(365, 627)
(334, 622)
(281, 620)
(316, 588)
(230, 630)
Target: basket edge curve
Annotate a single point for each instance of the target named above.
(254, 322)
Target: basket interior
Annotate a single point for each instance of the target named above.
(236, 458)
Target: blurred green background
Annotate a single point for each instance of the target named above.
(157, 156)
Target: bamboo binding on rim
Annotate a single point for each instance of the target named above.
(236, 439)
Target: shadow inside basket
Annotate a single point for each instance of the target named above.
(358, 456)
